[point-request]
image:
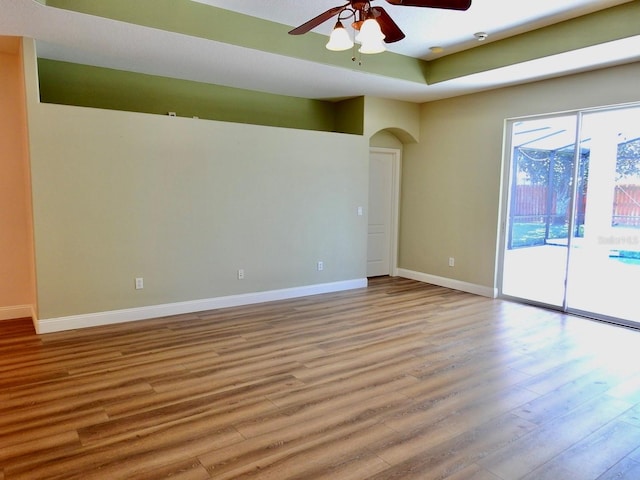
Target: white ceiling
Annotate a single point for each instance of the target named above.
(75, 37)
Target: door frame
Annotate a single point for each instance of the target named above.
(396, 172)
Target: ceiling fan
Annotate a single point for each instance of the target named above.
(361, 10)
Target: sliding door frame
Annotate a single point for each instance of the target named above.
(508, 168)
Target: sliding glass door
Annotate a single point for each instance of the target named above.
(572, 229)
(541, 187)
(604, 267)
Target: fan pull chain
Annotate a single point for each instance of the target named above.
(357, 58)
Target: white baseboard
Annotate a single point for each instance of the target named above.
(449, 283)
(49, 325)
(16, 311)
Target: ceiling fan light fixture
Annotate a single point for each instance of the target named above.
(339, 39)
(374, 25)
(372, 47)
(371, 37)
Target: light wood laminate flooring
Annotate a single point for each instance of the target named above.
(400, 380)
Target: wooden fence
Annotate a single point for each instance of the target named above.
(535, 203)
(626, 206)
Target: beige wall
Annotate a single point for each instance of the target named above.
(385, 139)
(17, 288)
(452, 177)
(185, 203)
(400, 118)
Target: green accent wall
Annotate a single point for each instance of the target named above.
(349, 116)
(87, 86)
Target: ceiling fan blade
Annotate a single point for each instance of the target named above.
(314, 22)
(447, 4)
(391, 30)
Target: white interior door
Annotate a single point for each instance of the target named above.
(383, 207)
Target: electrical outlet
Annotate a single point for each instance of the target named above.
(452, 261)
(241, 274)
(320, 266)
(139, 283)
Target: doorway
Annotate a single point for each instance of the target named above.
(572, 231)
(384, 189)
